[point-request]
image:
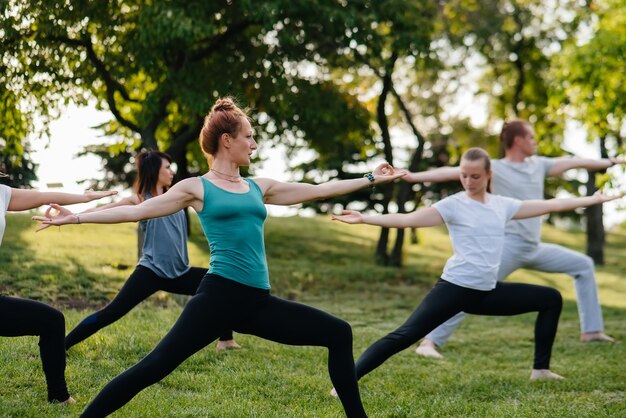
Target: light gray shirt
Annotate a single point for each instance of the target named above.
(165, 245)
(477, 233)
(5, 198)
(523, 181)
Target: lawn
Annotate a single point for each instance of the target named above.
(331, 266)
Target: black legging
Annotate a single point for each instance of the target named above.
(20, 317)
(446, 300)
(221, 304)
(139, 286)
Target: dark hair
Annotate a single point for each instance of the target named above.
(512, 129)
(475, 154)
(224, 118)
(148, 164)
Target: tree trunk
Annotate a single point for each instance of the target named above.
(595, 223)
(381, 248)
(406, 192)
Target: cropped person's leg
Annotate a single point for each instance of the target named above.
(29, 317)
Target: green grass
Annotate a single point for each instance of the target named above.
(330, 266)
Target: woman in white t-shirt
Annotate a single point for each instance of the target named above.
(475, 221)
(19, 316)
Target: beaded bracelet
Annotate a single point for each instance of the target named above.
(369, 176)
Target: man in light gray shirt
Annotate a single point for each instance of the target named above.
(521, 175)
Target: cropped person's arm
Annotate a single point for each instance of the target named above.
(24, 199)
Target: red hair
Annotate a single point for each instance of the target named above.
(224, 118)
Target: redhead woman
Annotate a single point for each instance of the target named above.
(235, 293)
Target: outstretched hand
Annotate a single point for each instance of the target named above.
(94, 195)
(385, 173)
(603, 198)
(349, 217)
(62, 216)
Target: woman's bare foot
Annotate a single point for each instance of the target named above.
(542, 374)
(596, 336)
(427, 348)
(68, 401)
(227, 345)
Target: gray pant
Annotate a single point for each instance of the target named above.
(548, 258)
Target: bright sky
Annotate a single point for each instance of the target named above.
(69, 134)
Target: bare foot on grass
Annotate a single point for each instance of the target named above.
(227, 345)
(596, 336)
(427, 348)
(544, 374)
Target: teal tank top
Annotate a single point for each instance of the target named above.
(233, 225)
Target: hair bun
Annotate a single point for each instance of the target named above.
(224, 105)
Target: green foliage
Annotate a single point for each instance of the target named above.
(14, 151)
(19, 168)
(158, 67)
(518, 41)
(327, 265)
(590, 74)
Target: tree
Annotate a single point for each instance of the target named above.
(15, 161)
(158, 67)
(590, 90)
(384, 36)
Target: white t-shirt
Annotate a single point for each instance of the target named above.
(477, 233)
(5, 198)
(524, 181)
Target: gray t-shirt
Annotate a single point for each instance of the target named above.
(5, 198)
(477, 233)
(165, 245)
(523, 181)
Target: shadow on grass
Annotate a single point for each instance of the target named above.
(68, 283)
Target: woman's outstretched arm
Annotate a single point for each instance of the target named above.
(421, 218)
(280, 193)
(180, 196)
(532, 208)
(436, 175)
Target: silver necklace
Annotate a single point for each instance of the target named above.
(233, 179)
